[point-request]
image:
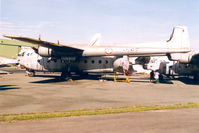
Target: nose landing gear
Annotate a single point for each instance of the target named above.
(30, 73)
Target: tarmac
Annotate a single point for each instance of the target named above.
(46, 93)
(161, 121)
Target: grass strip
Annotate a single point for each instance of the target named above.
(86, 112)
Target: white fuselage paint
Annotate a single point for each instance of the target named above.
(33, 61)
(158, 48)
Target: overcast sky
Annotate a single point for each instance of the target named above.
(119, 21)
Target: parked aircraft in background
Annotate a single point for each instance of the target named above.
(55, 57)
(185, 64)
(4, 61)
(155, 61)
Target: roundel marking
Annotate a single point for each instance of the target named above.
(108, 51)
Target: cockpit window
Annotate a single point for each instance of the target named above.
(21, 54)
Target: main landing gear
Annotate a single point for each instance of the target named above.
(126, 75)
(66, 76)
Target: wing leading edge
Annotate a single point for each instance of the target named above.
(45, 43)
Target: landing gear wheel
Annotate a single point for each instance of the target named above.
(63, 75)
(30, 73)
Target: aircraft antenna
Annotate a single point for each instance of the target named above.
(39, 37)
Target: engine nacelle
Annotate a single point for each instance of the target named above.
(117, 65)
(48, 52)
(45, 52)
(181, 57)
(122, 64)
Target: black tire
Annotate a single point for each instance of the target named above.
(196, 77)
(63, 75)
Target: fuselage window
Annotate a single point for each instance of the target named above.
(100, 61)
(92, 61)
(85, 61)
(106, 61)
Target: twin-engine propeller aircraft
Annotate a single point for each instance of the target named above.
(55, 57)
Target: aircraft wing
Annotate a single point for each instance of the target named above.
(45, 43)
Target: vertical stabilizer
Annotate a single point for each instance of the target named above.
(179, 38)
(95, 41)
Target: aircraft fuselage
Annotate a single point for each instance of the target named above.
(33, 61)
